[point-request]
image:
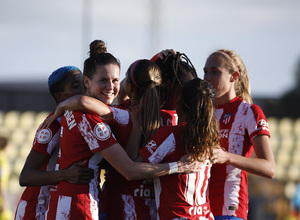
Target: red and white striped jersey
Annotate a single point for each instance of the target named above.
(178, 195)
(83, 136)
(34, 200)
(125, 199)
(239, 122)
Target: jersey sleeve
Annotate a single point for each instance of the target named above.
(257, 123)
(160, 146)
(96, 132)
(47, 139)
(119, 116)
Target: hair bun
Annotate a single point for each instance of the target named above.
(97, 47)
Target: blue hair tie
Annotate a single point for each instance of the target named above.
(58, 74)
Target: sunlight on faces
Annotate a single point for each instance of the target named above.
(105, 83)
(216, 72)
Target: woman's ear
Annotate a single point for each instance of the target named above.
(58, 97)
(86, 82)
(235, 77)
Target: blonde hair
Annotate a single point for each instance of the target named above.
(145, 77)
(235, 64)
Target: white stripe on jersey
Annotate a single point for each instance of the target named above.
(44, 193)
(86, 131)
(129, 207)
(157, 191)
(203, 177)
(121, 116)
(236, 141)
(63, 208)
(190, 188)
(93, 185)
(21, 210)
(54, 142)
(165, 148)
(150, 202)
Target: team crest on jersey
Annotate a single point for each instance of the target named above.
(44, 136)
(226, 118)
(151, 145)
(102, 131)
(262, 125)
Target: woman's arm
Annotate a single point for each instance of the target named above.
(31, 174)
(80, 103)
(263, 165)
(119, 159)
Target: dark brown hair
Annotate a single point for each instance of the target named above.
(201, 132)
(98, 56)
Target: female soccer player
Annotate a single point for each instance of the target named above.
(86, 136)
(184, 196)
(39, 171)
(243, 127)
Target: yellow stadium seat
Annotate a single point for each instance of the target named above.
(11, 119)
(297, 127)
(287, 142)
(18, 136)
(27, 119)
(273, 125)
(285, 126)
(283, 157)
(296, 157)
(274, 140)
(280, 172)
(11, 151)
(289, 189)
(14, 186)
(24, 151)
(293, 172)
(2, 114)
(30, 135)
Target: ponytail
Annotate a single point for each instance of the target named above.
(149, 112)
(201, 132)
(145, 77)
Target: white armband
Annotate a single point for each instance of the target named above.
(173, 167)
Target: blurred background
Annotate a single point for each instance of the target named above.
(37, 37)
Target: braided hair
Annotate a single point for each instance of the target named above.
(176, 71)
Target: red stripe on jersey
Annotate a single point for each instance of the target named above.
(34, 200)
(176, 195)
(228, 189)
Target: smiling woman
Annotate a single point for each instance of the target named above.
(101, 73)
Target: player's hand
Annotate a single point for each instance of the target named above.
(166, 52)
(48, 121)
(78, 174)
(220, 155)
(187, 165)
